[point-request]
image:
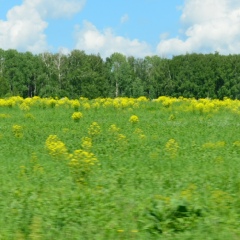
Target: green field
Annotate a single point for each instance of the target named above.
(119, 169)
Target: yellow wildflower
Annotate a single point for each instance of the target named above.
(86, 143)
(24, 107)
(76, 116)
(134, 119)
(94, 129)
(75, 104)
(113, 128)
(56, 148)
(17, 131)
(81, 164)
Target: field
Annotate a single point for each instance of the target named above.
(119, 168)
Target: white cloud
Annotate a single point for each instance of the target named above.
(56, 8)
(25, 25)
(209, 25)
(124, 18)
(23, 30)
(91, 40)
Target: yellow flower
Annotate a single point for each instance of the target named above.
(121, 137)
(86, 143)
(24, 107)
(75, 104)
(81, 164)
(76, 116)
(142, 99)
(51, 102)
(96, 105)
(86, 105)
(107, 103)
(113, 128)
(94, 129)
(134, 119)
(56, 148)
(17, 131)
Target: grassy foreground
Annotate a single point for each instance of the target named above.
(119, 169)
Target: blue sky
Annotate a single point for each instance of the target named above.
(144, 20)
(132, 27)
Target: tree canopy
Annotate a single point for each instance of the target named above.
(79, 74)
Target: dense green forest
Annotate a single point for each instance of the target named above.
(79, 74)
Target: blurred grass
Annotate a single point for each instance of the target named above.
(139, 191)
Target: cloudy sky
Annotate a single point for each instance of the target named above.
(132, 27)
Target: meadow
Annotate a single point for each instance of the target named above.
(119, 168)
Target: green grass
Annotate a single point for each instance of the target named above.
(139, 189)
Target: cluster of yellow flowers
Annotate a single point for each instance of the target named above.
(86, 105)
(120, 102)
(96, 105)
(94, 129)
(114, 129)
(76, 116)
(7, 102)
(166, 101)
(134, 119)
(56, 148)
(202, 105)
(86, 143)
(24, 106)
(123, 102)
(75, 104)
(81, 163)
(121, 137)
(17, 131)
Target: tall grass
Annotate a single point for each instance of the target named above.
(119, 168)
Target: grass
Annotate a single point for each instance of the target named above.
(171, 175)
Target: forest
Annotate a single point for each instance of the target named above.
(79, 74)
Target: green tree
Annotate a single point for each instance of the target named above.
(119, 75)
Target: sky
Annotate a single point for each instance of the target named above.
(136, 28)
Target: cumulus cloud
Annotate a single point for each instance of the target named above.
(25, 24)
(56, 8)
(23, 30)
(91, 40)
(208, 26)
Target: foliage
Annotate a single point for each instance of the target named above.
(79, 74)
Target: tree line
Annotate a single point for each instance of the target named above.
(79, 74)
